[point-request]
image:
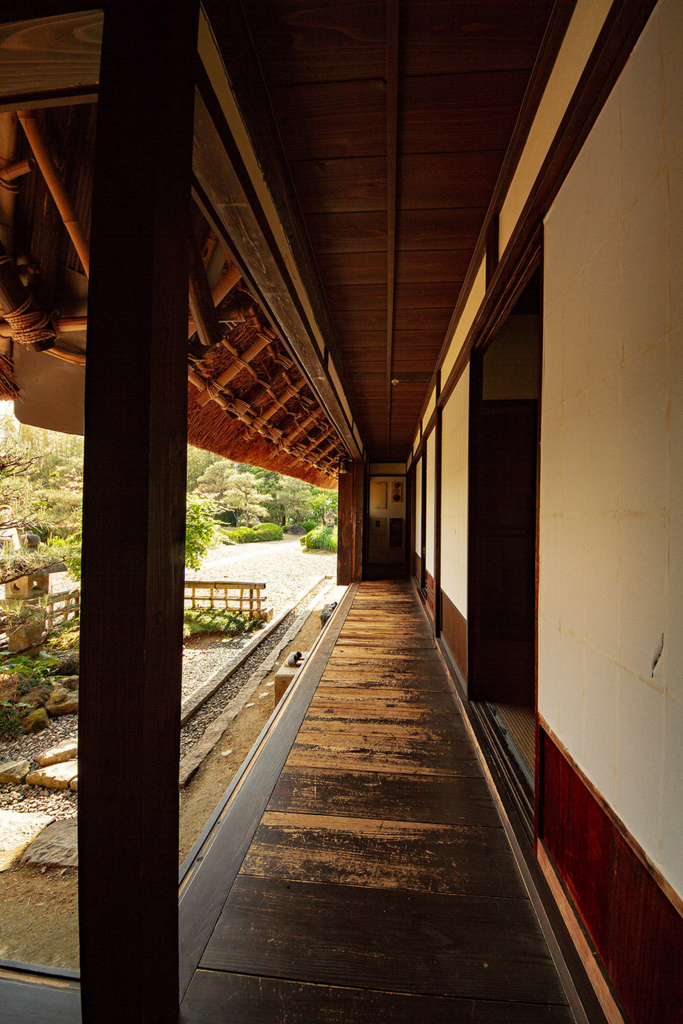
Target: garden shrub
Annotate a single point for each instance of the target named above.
(324, 537)
(243, 535)
(247, 535)
(309, 524)
(268, 531)
(217, 620)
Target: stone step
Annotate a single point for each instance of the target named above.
(54, 776)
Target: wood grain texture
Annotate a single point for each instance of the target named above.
(448, 801)
(434, 944)
(243, 999)
(204, 892)
(636, 930)
(130, 695)
(385, 854)
(51, 55)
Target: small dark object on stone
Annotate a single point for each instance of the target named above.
(298, 531)
(293, 659)
(326, 612)
(32, 540)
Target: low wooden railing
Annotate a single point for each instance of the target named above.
(62, 606)
(249, 598)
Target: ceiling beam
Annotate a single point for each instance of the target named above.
(392, 181)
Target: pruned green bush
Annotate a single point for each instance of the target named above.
(309, 524)
(322, 537)
(268, 531)
(217, 620)
(243, 535)
(247, 535)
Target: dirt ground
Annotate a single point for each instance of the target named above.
(39, 907)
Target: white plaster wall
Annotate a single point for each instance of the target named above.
(429, 521)
(418, 507)
(454, 462)
(611, 555)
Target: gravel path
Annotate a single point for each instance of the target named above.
(288, 571)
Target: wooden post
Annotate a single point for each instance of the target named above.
(350, 524)
(134, 505)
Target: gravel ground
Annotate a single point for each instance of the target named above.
(286, 569)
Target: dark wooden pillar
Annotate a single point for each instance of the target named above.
(350, 522)
(133, 515)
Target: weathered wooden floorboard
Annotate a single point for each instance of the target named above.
(243, 999)
(454, 800)
(384, 711)
(393, 696)
(384, 854)
(379, 884)
(405, 941)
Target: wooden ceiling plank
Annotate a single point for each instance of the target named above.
(413, 266)
(427, 295)
(456, 113)
(442, 180)
(343, 119)
(353, 268)
(474, 35)
(299, 42)
(348, 232)
(341, 186)
(439, 228)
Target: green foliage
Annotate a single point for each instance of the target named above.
(18, 674)
(309, 524)
(64, 637)
(234, 490)
(198, 461)
(244, 535)
(200, 529)
(322, 537)
(217, 620)
(268, 531)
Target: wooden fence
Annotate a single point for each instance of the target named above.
(62, 606)
(249, 598)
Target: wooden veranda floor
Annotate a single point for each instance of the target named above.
(376, 882)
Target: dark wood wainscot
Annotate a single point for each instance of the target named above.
(454, 632)
(635, 928)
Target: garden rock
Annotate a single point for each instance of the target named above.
(68, 666)
(55, 776)
(36, 696)
(37, 721)
(14, 771)
(73, 785)
(65, 706)
(65, 751)
(55, 847)
(70, 683)
(59, 694)
(17, 830)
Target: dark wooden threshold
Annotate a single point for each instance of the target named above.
(30, 994)
(213, 863)
(579, 991)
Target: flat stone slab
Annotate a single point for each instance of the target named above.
(17, 830)
(55, 847)
(63, 707)
(14, 771)
(65, 751)
(55, 776)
